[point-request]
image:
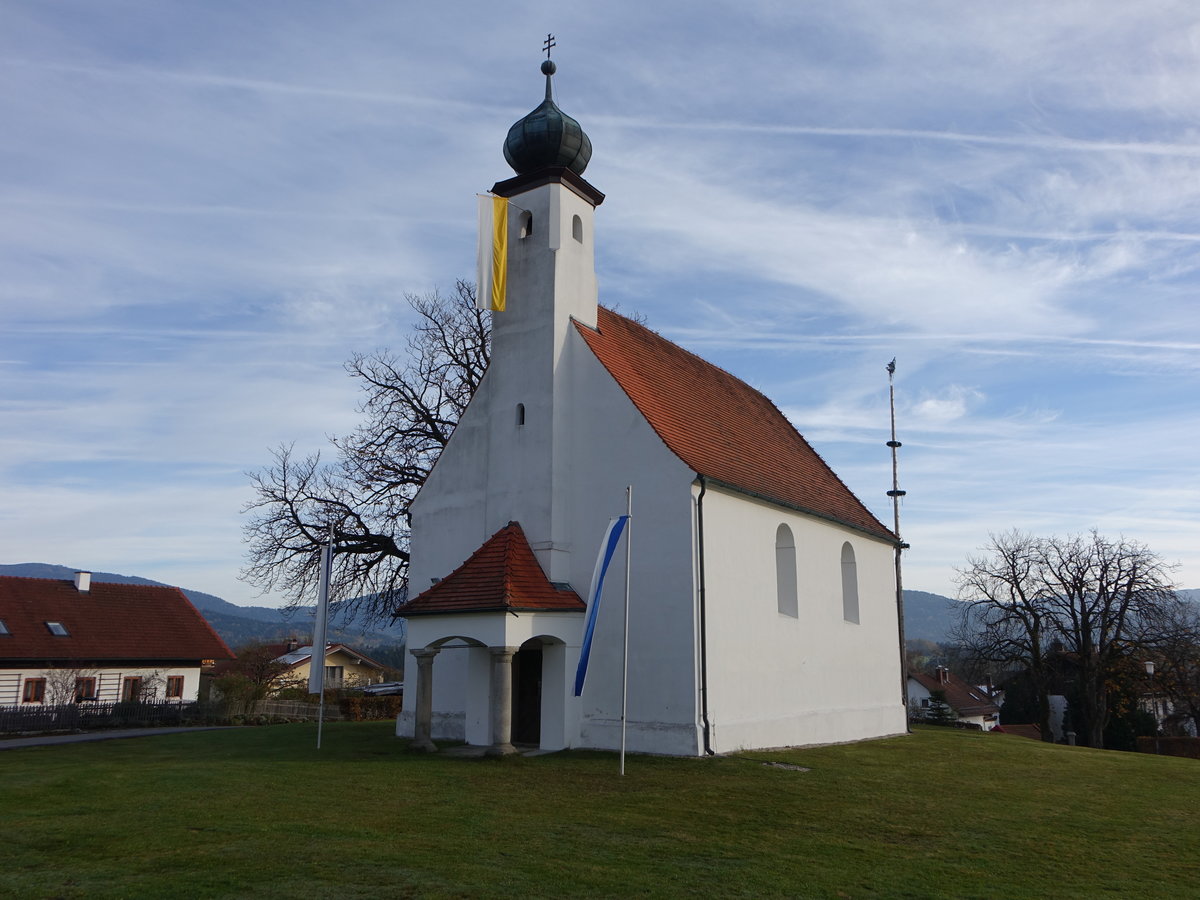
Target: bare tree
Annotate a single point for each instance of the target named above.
(254, 674)
(1107, 598)
(1102, 599)
(411, 405)
(1005, 619)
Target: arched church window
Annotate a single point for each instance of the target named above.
(849, 584)
(785, 572)
(526, 224)
(577, 228)
(520, 414)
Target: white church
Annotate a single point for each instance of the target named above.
(762, 591)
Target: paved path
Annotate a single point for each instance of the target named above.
(47, 740)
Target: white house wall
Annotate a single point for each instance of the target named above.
(109, 680)
(778, 680)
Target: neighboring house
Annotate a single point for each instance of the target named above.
(344, 666)
(64, 641)
(762, 591)
(971, 704)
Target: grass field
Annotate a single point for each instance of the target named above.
(259, 812)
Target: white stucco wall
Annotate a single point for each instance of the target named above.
(604, 445)
(775, 680)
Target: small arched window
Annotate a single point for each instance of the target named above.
(849, 584)
(785, 572)
(520, 414)
(526, 224)
(577, 228)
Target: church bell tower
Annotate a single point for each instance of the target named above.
(551, 281)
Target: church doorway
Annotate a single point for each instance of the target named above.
(527, 693)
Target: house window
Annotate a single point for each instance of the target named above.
(131, 688)
(526, 224)
(577, 228)
(785, 572)
(35, 690)
(4, 632)
(334, 675)
(58, 629)
(849, 584)
(520, 414)
(85, 689)
(174, 687)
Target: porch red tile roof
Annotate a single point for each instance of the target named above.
(721, 427)
(501, 576)
(109, 621)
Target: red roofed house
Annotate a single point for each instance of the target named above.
(970, 703)
(763, 594)
(62, 641)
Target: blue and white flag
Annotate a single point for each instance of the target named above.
(608, 547)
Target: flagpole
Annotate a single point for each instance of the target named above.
(625, 648)
(320, 627)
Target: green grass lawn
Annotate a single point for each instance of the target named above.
(259, 812)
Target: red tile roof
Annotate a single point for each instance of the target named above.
(501, 576)
(1025, 731)
(110, 621)
(965, 699)
(721, 427)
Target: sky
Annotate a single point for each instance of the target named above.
(208, 207)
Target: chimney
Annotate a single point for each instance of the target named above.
(83, 582)
(943, 675)
(292, 644)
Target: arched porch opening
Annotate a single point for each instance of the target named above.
(527, 693)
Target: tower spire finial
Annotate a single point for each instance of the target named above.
(548, 67)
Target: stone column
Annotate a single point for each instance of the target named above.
(501, 701)
(423, 714)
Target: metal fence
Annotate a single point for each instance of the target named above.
(95, 714)
(299, 709)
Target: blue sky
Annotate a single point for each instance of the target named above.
(209, 206)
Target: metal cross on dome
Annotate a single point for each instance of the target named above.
(548, 43)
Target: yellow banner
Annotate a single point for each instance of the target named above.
(499, 272)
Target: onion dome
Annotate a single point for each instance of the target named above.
(547, 137)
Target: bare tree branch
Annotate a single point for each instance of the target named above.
(411, 405)
(1102, 599)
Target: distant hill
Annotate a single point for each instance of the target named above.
(237, 625)
(928, 617)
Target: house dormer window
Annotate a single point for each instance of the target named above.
(58, 629)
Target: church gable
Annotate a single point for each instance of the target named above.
(720, 426)
(501, 576)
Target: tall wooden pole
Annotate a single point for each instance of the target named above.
(895, 493)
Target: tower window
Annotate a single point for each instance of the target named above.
(520, 414)
(526, 226)
(577, 228)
